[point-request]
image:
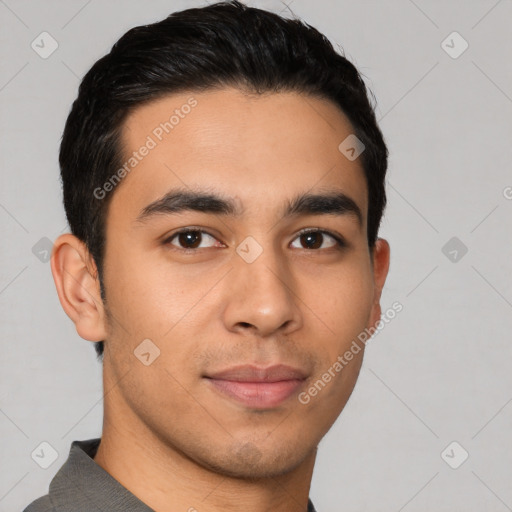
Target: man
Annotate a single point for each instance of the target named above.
(223, 177)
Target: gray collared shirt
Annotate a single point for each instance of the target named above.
(83, 485)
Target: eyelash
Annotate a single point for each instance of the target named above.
(340, 242)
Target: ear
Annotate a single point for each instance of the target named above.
(380, 266)
(76, 279)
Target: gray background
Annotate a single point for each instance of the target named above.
(436, 374)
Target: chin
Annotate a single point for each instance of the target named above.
(248, 461)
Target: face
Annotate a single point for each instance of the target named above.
(238, 312)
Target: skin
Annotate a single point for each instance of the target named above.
(169, 437)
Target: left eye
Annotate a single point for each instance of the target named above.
(314, 238)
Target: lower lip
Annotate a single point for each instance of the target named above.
(258, 395)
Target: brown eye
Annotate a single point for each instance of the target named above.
(314, 239)
(189, 239)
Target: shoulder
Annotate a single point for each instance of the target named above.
(42, 504)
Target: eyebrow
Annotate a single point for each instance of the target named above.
(322, 203)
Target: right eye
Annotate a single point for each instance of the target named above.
(189, 239)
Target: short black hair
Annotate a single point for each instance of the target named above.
(220, 45)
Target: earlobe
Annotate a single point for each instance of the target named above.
(75, 276)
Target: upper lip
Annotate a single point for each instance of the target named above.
(251, 373)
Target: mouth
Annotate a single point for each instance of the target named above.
(257, 388)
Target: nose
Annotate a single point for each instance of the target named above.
(260, 297)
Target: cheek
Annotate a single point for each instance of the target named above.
(344, 305)
(153, 298)
(138, 295)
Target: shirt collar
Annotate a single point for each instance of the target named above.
(81, 483)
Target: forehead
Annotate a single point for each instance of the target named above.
(256, 149)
